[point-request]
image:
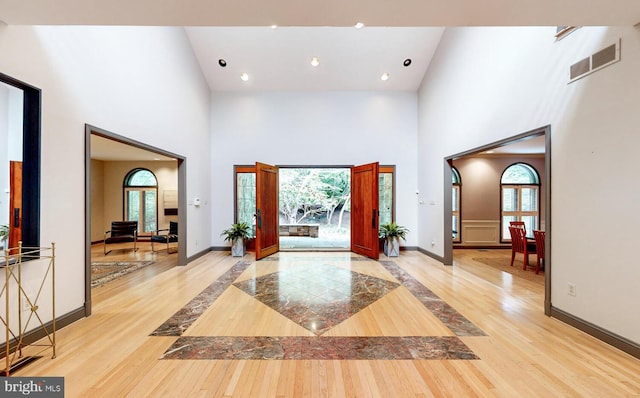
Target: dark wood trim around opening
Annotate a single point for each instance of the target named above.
(182, 199)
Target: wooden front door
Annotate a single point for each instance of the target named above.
(15, 203)
(267, 228)
(364, 210)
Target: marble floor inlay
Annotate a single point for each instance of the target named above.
(317, 296)
(181, 320)
(319, 348)
(318, 293)
(458, 324)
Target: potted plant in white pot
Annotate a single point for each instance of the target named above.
(392, 233)
(236, 234)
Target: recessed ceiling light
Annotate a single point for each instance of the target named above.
(222, 62)
(358, 25)
(407, 62)
(315, 61)
(244, 77)
(384, 77)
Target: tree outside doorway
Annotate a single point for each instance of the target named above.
(314, 198)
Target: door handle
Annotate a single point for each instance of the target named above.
(373, 219)
(16, 218)
(259, 218)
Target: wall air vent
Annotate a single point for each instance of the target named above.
(580, 68)
(595, 62)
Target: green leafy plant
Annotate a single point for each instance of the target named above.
(393, 230)
(237, 230)
(4, 233)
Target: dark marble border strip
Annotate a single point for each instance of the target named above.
(186, 316)
(318, 348)
(345, 257)
(458, 324)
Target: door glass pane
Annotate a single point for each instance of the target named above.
(133, 206)
(509, 199)
(149, 211)
(385, 188)
(246, 199)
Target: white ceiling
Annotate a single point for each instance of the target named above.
(533, 145)
(110, 150)
(280, 59)
(350, 59)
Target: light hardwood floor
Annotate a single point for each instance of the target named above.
(524, 352)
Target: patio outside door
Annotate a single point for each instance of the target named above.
(267, 230)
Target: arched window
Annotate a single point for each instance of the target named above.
(141, 199)
(455, 204)
(520, 186)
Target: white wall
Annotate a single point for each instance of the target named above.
(142, 83)
(486, 84)
(308, 129)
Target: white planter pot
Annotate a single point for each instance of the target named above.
(392, 247)
(237, 248)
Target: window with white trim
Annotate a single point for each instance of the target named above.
(520, 198)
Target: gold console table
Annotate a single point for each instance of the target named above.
(22, 303)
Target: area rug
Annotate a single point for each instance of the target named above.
(502, 264)
(106, 271)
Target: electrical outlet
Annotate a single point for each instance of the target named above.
(572, 289)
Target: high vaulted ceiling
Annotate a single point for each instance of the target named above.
(349, 59)
(280, 59)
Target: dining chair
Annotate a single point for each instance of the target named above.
(519, 244)
(518, 224)
(539, 237)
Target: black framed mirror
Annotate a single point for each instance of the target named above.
(20, 126)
